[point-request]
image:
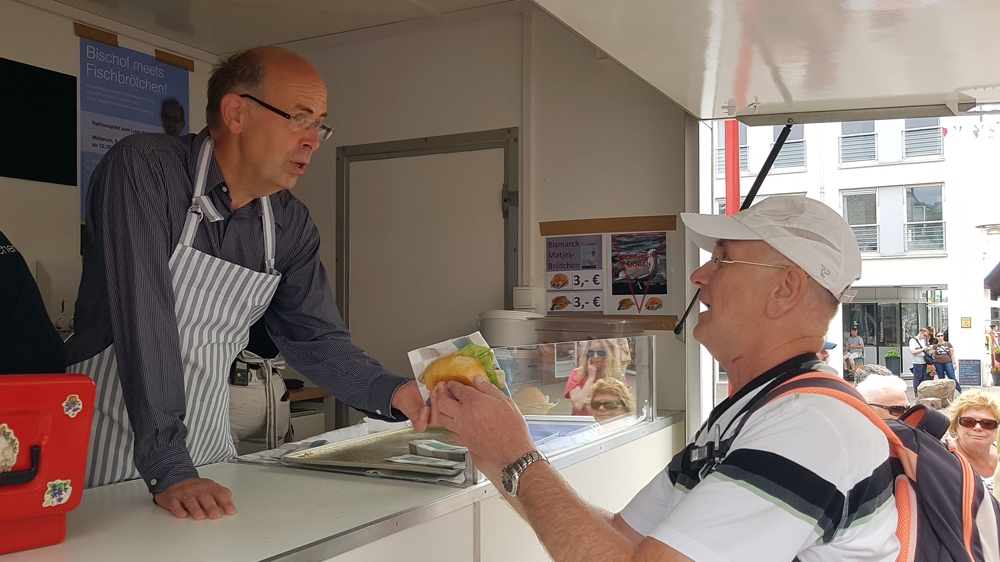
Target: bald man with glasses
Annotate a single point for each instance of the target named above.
(192, 240)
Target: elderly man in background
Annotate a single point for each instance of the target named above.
(885, 394)
(779, 489)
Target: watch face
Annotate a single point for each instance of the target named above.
(508, 482)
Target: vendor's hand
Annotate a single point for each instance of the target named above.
(197, 496)
(408, 400)
(485, 421)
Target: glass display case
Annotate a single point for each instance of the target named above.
(572, 393)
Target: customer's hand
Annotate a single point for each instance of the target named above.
(408, 400)
(485, 421)
(197, 496)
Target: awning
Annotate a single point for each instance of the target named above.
(992, 282)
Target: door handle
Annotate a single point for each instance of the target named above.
(23, 476)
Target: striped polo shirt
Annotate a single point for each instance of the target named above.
(807, 478)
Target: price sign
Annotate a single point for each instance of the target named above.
(583, 280)
(588, 301)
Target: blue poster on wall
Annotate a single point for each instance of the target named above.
(124, 92)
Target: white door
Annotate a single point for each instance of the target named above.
(426, 250)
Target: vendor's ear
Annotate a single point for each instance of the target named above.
(234, 113)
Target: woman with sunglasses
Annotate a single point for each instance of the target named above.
(974, 418)
(601, 359)
(610, 398)
(944, 364)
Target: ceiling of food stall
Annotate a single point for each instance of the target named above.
(758, 59)
(226, 26)
(762, 57)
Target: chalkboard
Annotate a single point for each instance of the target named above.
(970, 372)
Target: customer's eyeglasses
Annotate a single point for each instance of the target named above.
(988, 425)
(299, 122)
(894, 411)
(610, 405)
(716, 261)
(595, 353)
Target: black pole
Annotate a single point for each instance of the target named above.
(782, 136)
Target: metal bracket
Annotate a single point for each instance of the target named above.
(508, 199)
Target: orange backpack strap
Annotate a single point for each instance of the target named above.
(833, 386)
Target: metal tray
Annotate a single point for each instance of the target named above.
(371, 451)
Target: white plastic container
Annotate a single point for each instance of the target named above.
(567, 328)
(507, 328)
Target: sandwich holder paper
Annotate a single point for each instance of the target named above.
(421, 358)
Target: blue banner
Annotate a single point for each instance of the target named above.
(124, 92)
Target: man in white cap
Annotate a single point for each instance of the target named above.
(806, 477)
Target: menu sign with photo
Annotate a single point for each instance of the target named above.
(637, 280)
(574, 275)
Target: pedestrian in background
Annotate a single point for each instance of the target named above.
(944, 359)
(920, 351)
(974, 422)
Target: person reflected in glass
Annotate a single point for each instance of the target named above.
(610, 398)
(172, 117)
(602, 359)
(974, 418)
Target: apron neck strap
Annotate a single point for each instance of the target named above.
(201, 205)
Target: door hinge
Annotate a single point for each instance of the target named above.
(508, 199)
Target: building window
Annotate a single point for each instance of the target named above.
(720, 150)
(793, 152)
(924, 228)
(861, 212)
(720, 203)
(858, 142)
(923, 137)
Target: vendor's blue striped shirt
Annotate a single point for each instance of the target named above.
(135, 210)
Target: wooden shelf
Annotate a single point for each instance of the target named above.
(306, 393)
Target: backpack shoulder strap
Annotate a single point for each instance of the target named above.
(835, 387)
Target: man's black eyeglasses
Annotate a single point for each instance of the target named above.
(298, 122)
(894, 411)
(610, 405)
(988, 425)
(595, 353)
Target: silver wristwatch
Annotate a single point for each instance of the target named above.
(512, 474)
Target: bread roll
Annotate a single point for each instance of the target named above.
(461, 368)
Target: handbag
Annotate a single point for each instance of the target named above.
(928, 358)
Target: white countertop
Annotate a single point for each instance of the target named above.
(279, 510)
(283, 513)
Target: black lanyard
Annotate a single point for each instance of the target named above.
(705, 458)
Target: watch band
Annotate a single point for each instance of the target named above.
(512, 473)
(524, 462)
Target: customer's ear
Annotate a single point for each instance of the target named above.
(787, 292)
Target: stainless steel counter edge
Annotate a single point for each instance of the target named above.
(340, 543)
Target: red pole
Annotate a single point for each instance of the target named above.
(732, 175)
(732, 167)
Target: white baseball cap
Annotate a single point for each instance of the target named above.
(809, 233)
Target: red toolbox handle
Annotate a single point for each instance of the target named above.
(15, 478)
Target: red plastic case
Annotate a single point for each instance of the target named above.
(45, 427)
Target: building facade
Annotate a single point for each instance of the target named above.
(919, 194)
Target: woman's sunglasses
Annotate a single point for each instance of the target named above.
(611, 405)
(595, 353)
(988, 425)
(894, 411)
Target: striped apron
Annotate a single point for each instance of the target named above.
(216, 302)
